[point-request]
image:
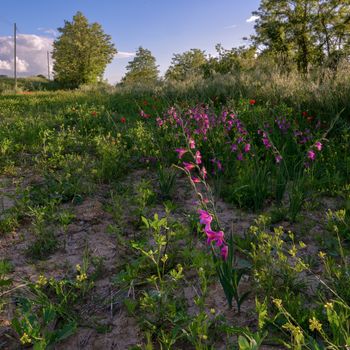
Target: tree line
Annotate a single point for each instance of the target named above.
(293, 34)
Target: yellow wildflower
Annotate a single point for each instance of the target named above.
(277, 302)
(82, 277)
(293, 251)
(25, 339)
(328, 305)
(164, 258)
(254, 229)
(302, 244)
(41, 282)
(315, 324)
(322, 255)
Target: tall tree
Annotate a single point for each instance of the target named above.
(229, 61)
(186, 65)
(142, 69)
(333, 31)
(304, 31)
(81, 52)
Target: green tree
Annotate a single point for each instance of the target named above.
(333, 31)
(81, 52)
(142, 69)
(307, 32)
(186, 65)
(229, 61)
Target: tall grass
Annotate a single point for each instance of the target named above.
(323, 92)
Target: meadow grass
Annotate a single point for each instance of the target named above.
(172, 192)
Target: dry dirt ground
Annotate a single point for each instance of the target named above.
(89, 231)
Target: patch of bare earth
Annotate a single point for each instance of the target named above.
(106, 324)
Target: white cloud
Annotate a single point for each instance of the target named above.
(231, 26)
(123, 54)
(49, 31)
(22, 65)
(252, 19)
(5, 65)
(31, 54)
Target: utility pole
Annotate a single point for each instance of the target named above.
(15, 54)
(48, 64)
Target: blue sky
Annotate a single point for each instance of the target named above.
(163, 26)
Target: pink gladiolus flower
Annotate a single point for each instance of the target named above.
(240, 156)
(188, 166)
(192, 144)
(181, 152)
(318, 146)
(204, 172)
(311, 154)
(224, 252)
(278, 158)
(219, 165)
(198, 157)
(266, 142)
(234, 147)
(217, 237)
(247, 147)
(195, 179)
(143, 114)
(205, 218)
(159, 122)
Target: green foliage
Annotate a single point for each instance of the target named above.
(252, 188)
(113, 157)
(47, 316)
(81, 52)
(166, 180)
(229, 61)
(186, 65)
(142, 69)
(59, 148)
(230, 275)
(271, 256)
(303, 31)
(45, 242)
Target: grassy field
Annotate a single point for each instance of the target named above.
(201, 215)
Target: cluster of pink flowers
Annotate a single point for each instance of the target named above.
(199, 123)
(144, 115)
(303, 137)
(283, 124)
(197, 158)
(216, 237)
(265, 139)
(241, 144)
(205, 218)
(311, 153)
(195, 121)
(268, 145)
(218, 164)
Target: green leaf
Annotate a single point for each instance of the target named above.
(5, 282)
(243, 343)
(49, 314)
(145, 221)
(65, 332)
